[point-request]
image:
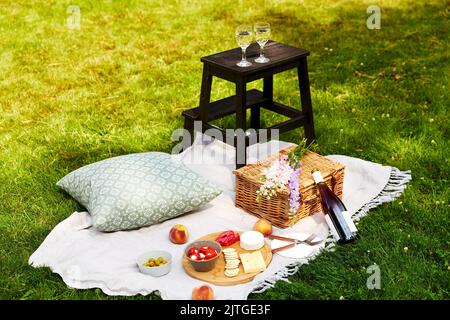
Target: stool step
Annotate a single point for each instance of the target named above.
(283, 110)
(224, 107)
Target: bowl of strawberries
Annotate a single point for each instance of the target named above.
(203, 254)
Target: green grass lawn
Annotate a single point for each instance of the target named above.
(119, 84)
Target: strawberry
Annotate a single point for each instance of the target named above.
(204, 249)
(193, 251)
(210, 254)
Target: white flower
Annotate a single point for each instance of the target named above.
(405, 249)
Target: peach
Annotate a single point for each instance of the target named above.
(263, 226)
(203, 292)
(178, 234)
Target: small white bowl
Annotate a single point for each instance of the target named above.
(155, 271)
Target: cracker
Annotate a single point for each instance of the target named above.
(229, 250)
(231, 273)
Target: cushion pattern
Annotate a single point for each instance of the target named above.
(136, 190)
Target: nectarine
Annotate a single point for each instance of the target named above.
(263, 226)
(203, 292)
(178, 234)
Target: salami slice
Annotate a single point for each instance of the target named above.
(227, 238)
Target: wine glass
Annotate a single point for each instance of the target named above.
(262, 35)
(244, 36)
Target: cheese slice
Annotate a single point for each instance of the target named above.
(253, 262)
(252, 240)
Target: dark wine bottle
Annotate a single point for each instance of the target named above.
(336, 215)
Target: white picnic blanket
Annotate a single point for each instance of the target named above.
(86, 258)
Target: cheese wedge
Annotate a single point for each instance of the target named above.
(253, 262)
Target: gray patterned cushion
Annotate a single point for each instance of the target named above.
(136, 190)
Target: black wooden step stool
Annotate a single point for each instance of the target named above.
(223, 65)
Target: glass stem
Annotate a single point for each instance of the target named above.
(261, 53)
(244, 56)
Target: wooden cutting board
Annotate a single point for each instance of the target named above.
(216, 276)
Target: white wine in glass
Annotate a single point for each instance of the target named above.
(244, 37)
(262, 35)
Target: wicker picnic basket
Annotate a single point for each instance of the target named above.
(276, 210)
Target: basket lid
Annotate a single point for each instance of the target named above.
(310, 161)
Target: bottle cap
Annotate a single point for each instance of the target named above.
(317, 176)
